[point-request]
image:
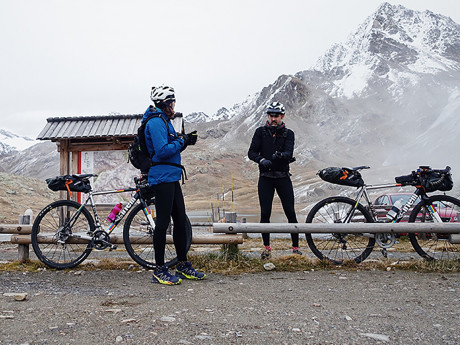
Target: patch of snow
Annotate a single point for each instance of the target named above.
(14, 141)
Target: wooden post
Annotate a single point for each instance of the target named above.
(64, 166)
(23, 249)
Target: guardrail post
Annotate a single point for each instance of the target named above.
(23, 249)
(245, 235)
(230, 250)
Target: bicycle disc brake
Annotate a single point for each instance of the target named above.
(385, 239)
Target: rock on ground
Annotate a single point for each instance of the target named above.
(106, 307)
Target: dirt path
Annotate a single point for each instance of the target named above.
(319, 307)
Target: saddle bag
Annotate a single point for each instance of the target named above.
(341, 176)
(68, 183)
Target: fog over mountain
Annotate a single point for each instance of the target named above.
(388, 97)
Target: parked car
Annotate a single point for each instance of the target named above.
(446, 213)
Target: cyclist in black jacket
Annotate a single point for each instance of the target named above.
(272, 147)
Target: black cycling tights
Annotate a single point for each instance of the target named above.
(283, 187)
(169, 202)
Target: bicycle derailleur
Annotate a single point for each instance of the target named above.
(101, 241)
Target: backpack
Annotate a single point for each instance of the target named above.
(138, 153)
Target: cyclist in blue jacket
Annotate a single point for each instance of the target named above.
(166, 145)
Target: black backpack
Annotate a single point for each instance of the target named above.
(138, 153)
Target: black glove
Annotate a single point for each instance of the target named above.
(277, 156)
(265, 163)
(190, 138)
(143, 181)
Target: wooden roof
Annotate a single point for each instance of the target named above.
(87, 127)
(92, 133)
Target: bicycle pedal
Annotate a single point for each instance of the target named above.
(113, 247)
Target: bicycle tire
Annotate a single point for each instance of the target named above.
(49, 225)
(336, 247)
(141, 250)
(435, 246)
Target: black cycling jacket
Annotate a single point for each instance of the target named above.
(266, 141)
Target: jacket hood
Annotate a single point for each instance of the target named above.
(151, 110)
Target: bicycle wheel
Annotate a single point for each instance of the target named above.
(337, 247)
(53, 230)
(435, 246)
(138, 239)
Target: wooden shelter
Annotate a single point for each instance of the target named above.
(74, 135)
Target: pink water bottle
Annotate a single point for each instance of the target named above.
(113, 214)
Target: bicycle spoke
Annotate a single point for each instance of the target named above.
(338, 248)
(52, 232)
(436, 246)
(138, 239)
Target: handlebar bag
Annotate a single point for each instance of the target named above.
(437, 180)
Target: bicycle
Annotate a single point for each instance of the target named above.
(64, 232)
(337, 247)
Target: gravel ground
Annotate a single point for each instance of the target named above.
(314, 307)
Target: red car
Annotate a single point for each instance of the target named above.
(446, 213)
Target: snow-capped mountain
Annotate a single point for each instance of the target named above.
(222, 114)
(388, 97)
(395, 48)
(402, 65)
(197, 117)
(10, 142)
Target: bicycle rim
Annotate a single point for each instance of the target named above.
(436, 246)
(138, 239)
(52, 234)
(335, 247)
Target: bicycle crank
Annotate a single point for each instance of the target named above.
(101, 241)
(385, 239)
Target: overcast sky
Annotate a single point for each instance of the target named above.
(90, 57)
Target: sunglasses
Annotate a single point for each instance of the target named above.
(274, 114)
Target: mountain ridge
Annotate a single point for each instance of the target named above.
(367, 102)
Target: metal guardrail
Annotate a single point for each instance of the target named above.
(233, 228)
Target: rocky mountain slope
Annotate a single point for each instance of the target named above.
(388, 97)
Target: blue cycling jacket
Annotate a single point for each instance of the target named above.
(166, 145)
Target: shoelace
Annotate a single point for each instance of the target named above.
(188, 270)
(164, 276)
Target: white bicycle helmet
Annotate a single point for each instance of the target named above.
(161, 94)
(276, 107)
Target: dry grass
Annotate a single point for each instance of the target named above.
(229, 263)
